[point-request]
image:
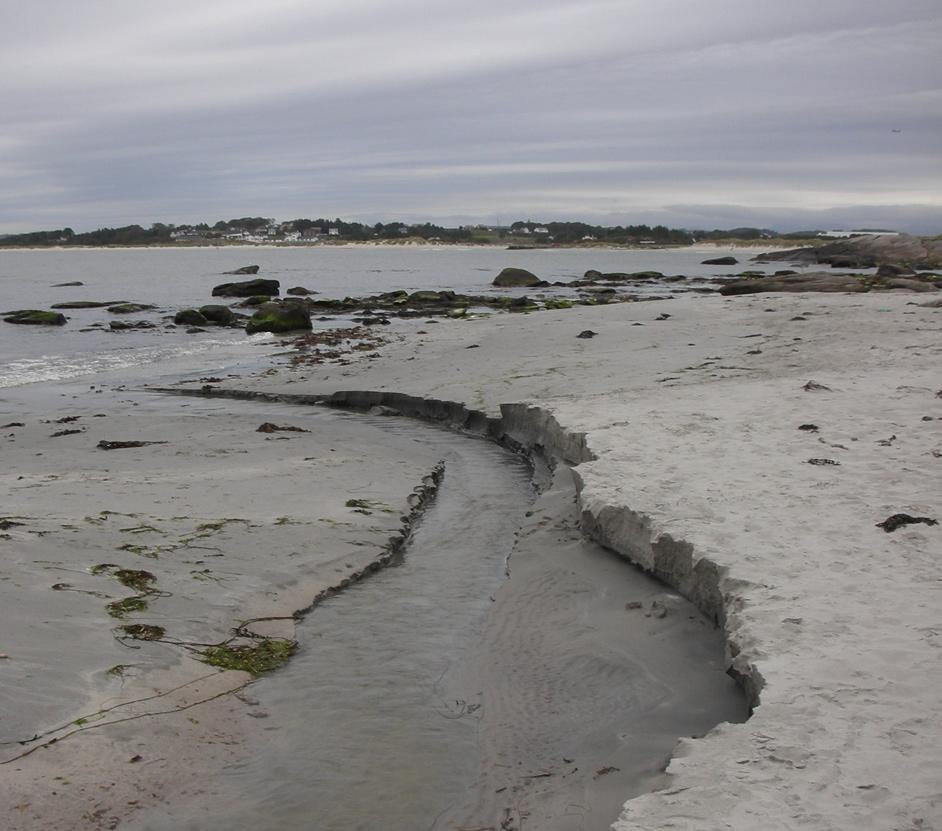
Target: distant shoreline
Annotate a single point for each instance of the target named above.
(706, 246)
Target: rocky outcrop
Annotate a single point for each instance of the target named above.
(517, 277)
(867, 252)
(299, 291)
(35, 317)
(284, 316)
(246, 269)
(824, 281)
(248, 288)
(721, 261)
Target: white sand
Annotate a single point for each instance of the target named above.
(702, 474)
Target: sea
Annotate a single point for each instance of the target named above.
(175, 278)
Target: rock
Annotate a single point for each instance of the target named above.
(864, 251)
(122, 325)
(285, 316)
(812, 281)
(517, 277)
(195, 330)
(887, 270)
(246, 269)
(67, 285)
(586, 333)
(299, 291)
(86, 304)
(909, 284)
(257, 300)
(220, 315)
(190, 317)
(247, 288)
(130, 308)
(35, 317)
(721, 261)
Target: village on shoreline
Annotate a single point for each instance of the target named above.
(255, 231)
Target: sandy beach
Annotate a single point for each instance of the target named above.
(740, 450)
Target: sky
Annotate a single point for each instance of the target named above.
(786, 115)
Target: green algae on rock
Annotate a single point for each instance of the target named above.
(287, 316)
(35, 317)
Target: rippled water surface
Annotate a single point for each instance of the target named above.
(366, 731)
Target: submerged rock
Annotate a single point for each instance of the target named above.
(130, 308)
(299, 291)
(247, 288)
(246, 269)
(86, 304)
(35, 317)
(510, 277)
(285, 316)
(721, 261)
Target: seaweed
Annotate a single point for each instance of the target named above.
(266, 655)
(143, 631)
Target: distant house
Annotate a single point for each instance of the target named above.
(333, 232)
(314, 232)
(540, 230)
(843, 234)
(647, 242)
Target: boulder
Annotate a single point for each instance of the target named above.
(246, 269)
(510, 277)
(130, 308)
(190, 317)
(220, 315)
(284, 316)
(247, 288)
(299, 291)
(721, 261)
(35, 317)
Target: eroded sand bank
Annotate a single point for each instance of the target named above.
(693, 464)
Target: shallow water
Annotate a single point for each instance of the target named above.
(176, 278)
(364, 728)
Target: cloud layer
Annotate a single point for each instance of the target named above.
(693, 114)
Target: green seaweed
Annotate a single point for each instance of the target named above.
(122, 608)
(143, 631)
(135, 579)
(264, 656)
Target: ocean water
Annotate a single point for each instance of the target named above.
(176, 278)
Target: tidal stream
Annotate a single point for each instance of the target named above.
(385, 719)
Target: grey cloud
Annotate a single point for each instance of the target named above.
(554, 109)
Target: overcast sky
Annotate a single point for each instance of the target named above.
(762, 112)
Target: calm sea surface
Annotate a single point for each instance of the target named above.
(172, 279)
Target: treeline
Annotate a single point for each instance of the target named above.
(256, 228)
